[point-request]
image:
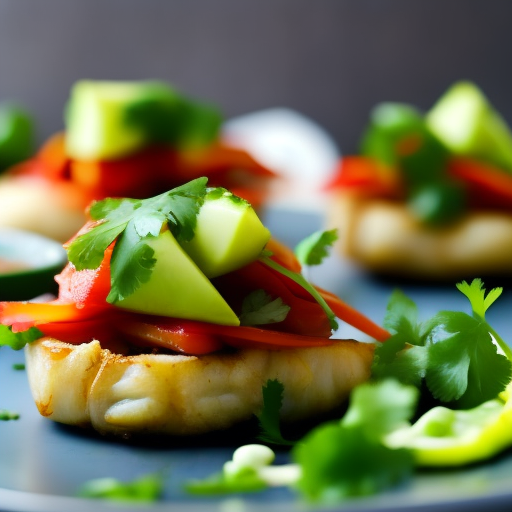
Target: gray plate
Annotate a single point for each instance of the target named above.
(43, 464)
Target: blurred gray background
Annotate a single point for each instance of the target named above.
(332, 60)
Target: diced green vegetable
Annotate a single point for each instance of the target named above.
(467, 123)
(107, 120)
(228, 234)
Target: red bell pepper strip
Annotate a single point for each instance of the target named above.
(366, 176)
(196, 338)
(487, 185)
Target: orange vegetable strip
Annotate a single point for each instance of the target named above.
(354, 317)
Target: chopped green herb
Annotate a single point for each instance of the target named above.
(453, 351)
(349, 458)
(147, 488)
(269, 416)
(8, 415)
(313, 249)
(17, 340)
(258, 308)
(132, 222)
(18, 366)
(301, 281)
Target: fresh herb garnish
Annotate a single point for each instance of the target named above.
(6, 415)
(17, 340)
(132, 222)
(18, 366)
(269, 422)
(258, 308)
(453, 351)
(349, 458)
(314, 248)
(147, 488)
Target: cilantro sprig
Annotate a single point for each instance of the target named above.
(311, 251)
(132, 222)
(258, 308)
(454, 353)
(268, 418)
(340, 459)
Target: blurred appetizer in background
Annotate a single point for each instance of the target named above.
(174, 312)
(430, 195)
(133, 139)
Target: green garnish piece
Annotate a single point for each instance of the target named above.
(246, 480)
(168, 117)
(132, 222)
(313, 249)
(453, 351)
(390, 358)
(18, 366)
(8, 415)
(258, 308)
(465, 365)
(349, 458)
(303, 282)
(147, 488)
(18, 340)
(270, 430)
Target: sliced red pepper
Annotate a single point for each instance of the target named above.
(368, 177)
(86, 287)
(305, 317)
(196, 338)
(488, 186)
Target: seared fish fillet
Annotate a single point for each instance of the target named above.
(384, 237)
(186, 395)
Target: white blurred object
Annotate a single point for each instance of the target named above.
(293, 146)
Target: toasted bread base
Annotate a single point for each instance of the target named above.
(384, 237)
(180, 395)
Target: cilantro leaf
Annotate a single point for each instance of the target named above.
(269, 416)
(131, 256)
(349, 458)
(6, 415)
(464, 364)
(301, 281)
(132, 222)
(475, 292)
(396, 357)
(339, 462)
(19, 339)
(258, 308)
(147, 488)
(313, 249)
(390, 401)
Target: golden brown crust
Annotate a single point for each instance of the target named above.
(384, 237)
(89, 386)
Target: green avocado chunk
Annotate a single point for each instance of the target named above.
(466, 122)
(107, 119)
(228, 234)
(177, 288)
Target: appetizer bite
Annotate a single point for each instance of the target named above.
(124, 139)
(174, 312)
(429, 196)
